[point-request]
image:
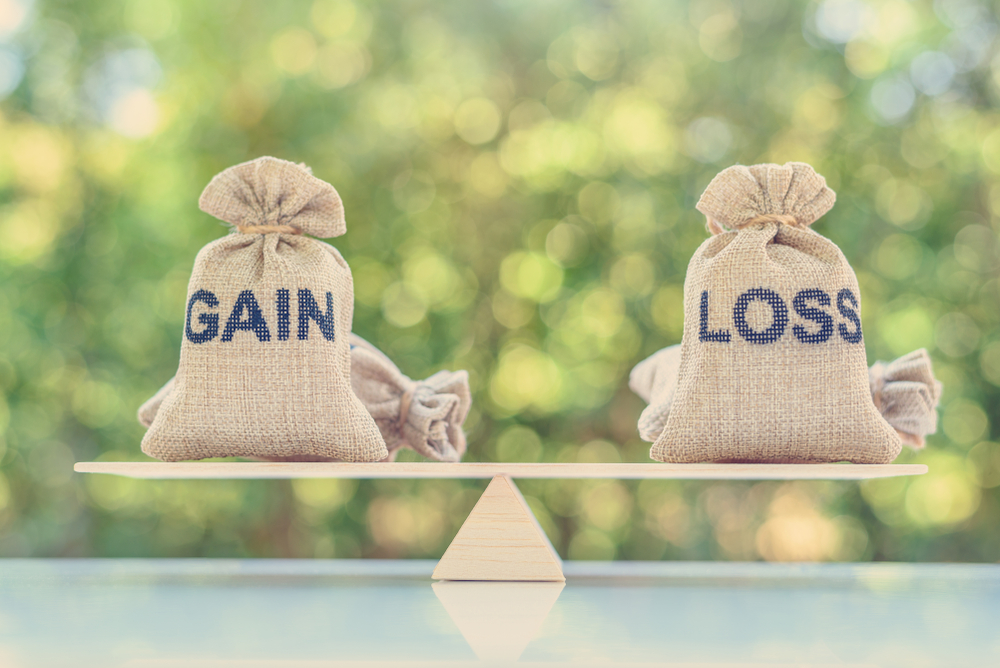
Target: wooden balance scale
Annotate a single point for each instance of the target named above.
(500, 540)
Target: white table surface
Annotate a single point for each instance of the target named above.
(385, 613)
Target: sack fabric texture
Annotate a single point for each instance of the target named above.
(425, 416)
(907, 394)
(772, 363)
(265, 358)
(655, 380)
(904, 391)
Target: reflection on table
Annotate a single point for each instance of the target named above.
(343, 613)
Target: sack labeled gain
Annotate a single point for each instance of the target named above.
(425, 415)
(772, 365)
(265, 368)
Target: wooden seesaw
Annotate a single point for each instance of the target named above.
(500, 540)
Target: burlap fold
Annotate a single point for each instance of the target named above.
(907, 394)
(265, 359)
(424, 415)
(739, 195)
(655, 379)
(269, 191)
(772, 361)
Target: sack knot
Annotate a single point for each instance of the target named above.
(906, 393)
(404, 403)
(424, 415)
(782, 219)
(268, 229)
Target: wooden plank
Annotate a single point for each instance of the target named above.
(620, 471)
(500, 541)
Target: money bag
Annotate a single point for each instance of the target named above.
(425, 416)
(772, 364)
(265, 363)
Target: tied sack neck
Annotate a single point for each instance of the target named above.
(268, 229)
(792, 194)
(906, 393)
(423, 415)
(269, 195)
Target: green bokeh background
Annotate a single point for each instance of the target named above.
(519, 179)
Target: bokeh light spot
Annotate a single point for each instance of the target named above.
(333, 18)
(903, 204)
(403, 304)
(899, 256)
(591, 544)
(932, 72)
(633, 275)
(477, 121)
(840, 20)
(135, 114)
(598, 202)
(892, 98)
(11, 70)
(905, 329)
(989, 363)
(27, 230)
(956, 334)
(866, 59)
(487, 176)
(607, 506)
(294, 50)
(964, 421)
(341, 64)
(566, 244)
(708, 139)
(13, 15)
(432, 274)
(720, 37)
(667, 309)
(976, 248)
(595, 54)
(324, 494)
(525, 377)
(519, 444)
(947, 494)
(96, 404)
(531, 276)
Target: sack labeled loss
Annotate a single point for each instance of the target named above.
(423, 415)
(265, 369)
(772, 365)
(905, 392)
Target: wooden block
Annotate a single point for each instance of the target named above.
(619, 471)
(500, 540)
(498, 619)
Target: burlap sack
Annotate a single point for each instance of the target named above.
(655, 379)
(773, 365)
(265, 360)
(907, 395)
(425, 415)
(905, 392)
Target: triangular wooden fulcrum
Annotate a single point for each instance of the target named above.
(500, 540)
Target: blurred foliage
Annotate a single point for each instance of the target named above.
(519, 179)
